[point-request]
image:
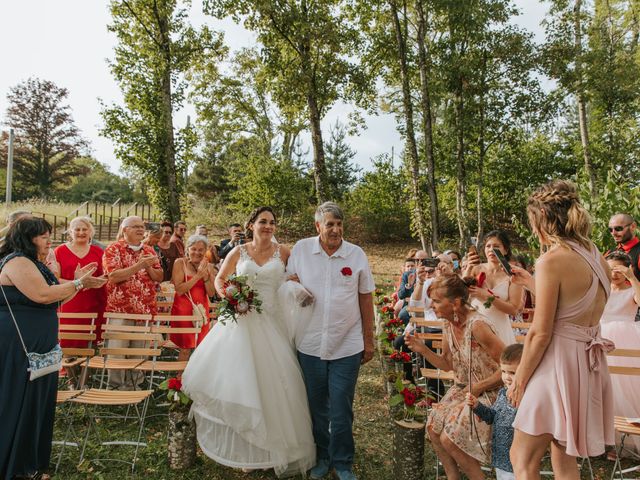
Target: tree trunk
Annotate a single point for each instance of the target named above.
(408, 450)
(461, 172)
(582, 102)
(411, 149)
(427, 125)
(320, 167)
(482, 151)
(181, 439)
(172, 203)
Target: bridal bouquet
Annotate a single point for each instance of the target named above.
(239, 299)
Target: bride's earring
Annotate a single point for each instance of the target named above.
(455, 316)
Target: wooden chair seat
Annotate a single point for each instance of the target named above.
(622, 426)
(66, 395)
(436, 374)
(115, 363)
(95, 396)
(162, 366)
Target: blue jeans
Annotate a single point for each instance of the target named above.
(331, 386)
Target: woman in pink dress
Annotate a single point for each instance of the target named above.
(193, 278)
(562, 387)
(75, 254)
(619, 325)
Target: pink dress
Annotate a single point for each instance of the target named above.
(618, 324)
(569, 395)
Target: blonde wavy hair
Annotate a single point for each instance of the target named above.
(557, 216)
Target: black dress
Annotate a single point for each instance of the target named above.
(27, 408)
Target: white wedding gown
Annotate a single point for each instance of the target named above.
(249, 399)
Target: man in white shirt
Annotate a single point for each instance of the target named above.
(339, 337)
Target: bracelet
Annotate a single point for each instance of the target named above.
(78, 285)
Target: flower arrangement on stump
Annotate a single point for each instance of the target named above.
(410, 396)
(181, 439)
(239, 299)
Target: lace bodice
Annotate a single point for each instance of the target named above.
(264, 279)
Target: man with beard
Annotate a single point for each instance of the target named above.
(623, 227)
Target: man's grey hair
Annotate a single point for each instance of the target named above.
(14, 216)
(331, 208)
(193, 239)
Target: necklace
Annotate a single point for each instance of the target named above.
(260, 252)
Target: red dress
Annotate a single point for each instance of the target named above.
(86, 301)
(182, 306)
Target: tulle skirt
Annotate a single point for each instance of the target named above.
(249, 399)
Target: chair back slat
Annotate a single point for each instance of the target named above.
(175, 330)
(521, 324)
(624, 352)
(88, 337)
(147, 337)
(128, 316)
(134, 352)
(78, 352)
(167, 318)
(90, 315)
(614, 370)
(77, 328)
(107, 327)
(427, 323)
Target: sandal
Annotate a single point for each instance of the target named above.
(612, 456)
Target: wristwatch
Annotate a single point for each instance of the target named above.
(78, 284)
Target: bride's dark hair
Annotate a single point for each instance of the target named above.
(253, 217)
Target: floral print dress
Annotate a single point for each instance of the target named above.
(451, 414)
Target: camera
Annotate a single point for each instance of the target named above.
(430, 262)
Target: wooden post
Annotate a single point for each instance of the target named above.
(408, 450)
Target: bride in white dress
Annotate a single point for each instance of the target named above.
(249, 398)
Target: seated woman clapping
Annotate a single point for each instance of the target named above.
(469, 343)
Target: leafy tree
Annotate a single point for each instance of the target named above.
(341, 172)
(378, 203)
(307, 52)
(155, 48)
(98, 185)
(47, 142)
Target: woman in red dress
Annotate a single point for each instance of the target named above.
(193, 278)
(77, 253)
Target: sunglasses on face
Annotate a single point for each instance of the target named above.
(429, 270)
(618, 228)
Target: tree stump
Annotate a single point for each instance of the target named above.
(408, 450)
(181, 439)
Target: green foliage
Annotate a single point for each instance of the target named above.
(156, 46)
(617, 195)
(47, 142)
(377, 202)
(99, 185)
(341, 172)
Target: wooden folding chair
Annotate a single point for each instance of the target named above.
(138, 399)
(621, 425)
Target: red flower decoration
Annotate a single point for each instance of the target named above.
(174, 384)
(346, 271)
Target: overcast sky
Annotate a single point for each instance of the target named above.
(67, 42)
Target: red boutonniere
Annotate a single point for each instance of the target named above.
(346, 271)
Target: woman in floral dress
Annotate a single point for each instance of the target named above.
(458, 446)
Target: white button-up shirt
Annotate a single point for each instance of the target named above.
(335, 329)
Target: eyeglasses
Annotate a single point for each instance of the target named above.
(618, 228)
(429, 270)
(167, 232)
